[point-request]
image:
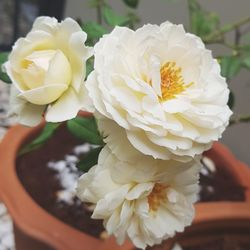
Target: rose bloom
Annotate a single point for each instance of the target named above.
(47, 69)
(146, 200)
(163, 87)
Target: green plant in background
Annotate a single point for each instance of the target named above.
(107, 19)
(207, 26)
(202, 23)
(3, 58)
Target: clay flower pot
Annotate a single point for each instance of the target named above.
(35, 228)
(222, 212)
(225, 222)
(222, 221)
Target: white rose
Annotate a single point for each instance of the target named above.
(163, 87)
(47, 69)
(117, 140)
(146, 200)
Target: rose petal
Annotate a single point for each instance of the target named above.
(45, 94)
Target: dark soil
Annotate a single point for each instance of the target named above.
(42, 182)
(219, 186)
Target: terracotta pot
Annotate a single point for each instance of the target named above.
(231, 239)
(40, 230)
(225, 213)
(216, 220)
(213, 220)
(35, 228)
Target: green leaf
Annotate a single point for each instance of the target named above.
(94, 30)
(245, 49)
(4, 58)
(89, 160)
(231, 100)
(245, 54)
(133, 19)
(85, 128)
(245, 38)
(89, 67)
(131, 3)
(246, 62)
(230, 66)
(202, 22)
(94, 3)
(113, 19)
(47, 132)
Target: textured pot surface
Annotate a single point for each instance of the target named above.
(30, 218)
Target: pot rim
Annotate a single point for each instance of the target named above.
(221, 212)
(31, 218)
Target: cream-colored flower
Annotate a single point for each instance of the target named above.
(163, 87)
(146, 200)
(47, 69)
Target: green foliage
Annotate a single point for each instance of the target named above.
(113, 19)
(246, 62)
(85, 128)
(131, 3)
(246, 38)
(231, 100)
(230, 66)
(245, 51)
(133, 19)
(47, 132)
(89, 160)
(94, 31)
(202, 23)
(94, 3)
(89, 66)
(3, 58)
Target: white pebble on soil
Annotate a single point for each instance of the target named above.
(209, 163)
(68, 174)
(82, 149)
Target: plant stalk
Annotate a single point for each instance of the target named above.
(99, 11)
(225, 29)
(244, 119)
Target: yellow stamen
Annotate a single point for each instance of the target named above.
(157, 196)
(172, 82)
(26, 63)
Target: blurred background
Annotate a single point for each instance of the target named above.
(16, 18)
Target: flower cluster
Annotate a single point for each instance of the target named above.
(159, 101)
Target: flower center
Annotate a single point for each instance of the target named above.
(157, 196)
(172, 82)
